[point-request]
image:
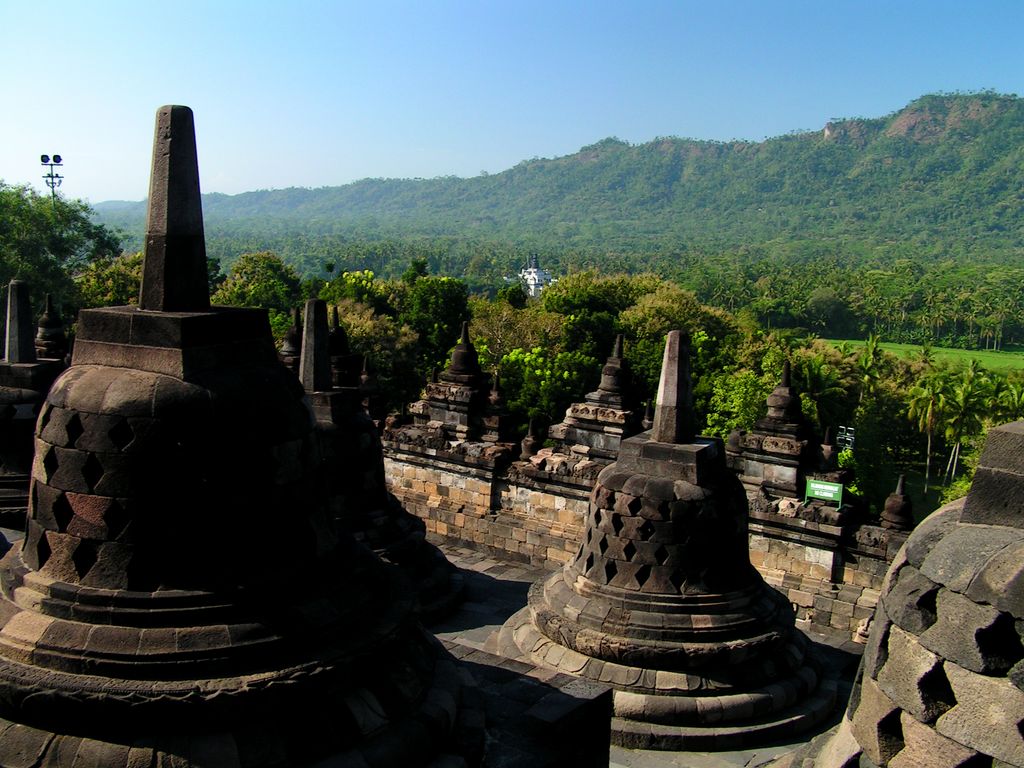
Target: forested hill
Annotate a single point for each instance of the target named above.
(945, 172)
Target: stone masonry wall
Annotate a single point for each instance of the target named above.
(832, 579)
(535, 519)
(546, 515)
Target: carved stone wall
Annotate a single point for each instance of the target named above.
(535, 517)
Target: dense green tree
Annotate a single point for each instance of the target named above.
(514, 295)
(737, 401)
(45, 240)
(964, 410)
(110, 281)
(435, 308)
(824, 389)
(540, 384)
(262, 280)
(498, 328)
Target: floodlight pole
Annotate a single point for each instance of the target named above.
(53, 180)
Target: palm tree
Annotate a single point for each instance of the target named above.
(867, 365)
(927, 356)
(965, 408)
(925, 407)
(822, 384)
(995, 393)
(1012, 399)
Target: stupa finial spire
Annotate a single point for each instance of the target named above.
(673, 412)
(174, 272)
(315, 363)
(20, 347)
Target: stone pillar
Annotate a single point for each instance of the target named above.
(314, 363)
(673, 412)
(20, 347)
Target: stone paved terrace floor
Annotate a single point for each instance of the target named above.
(496, 588)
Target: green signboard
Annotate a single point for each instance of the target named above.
(819, 489)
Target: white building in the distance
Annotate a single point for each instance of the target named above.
(534, 278)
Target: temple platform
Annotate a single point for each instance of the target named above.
(495, 589)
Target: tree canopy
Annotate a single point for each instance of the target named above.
(44, 240)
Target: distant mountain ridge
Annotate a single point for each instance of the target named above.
(943, 168)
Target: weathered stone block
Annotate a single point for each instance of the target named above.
(876, 724)
(930, 531)
(911, 602)
(925, 747)
(977, 637)
(913, 677)
(960, 555)
(987, 716)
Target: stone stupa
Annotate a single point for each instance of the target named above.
(353, 461)
(941, 684)
(25, 377)
(151, 616)
(597, 426)
(662, 602)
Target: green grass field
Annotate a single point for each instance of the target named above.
(1006, 360)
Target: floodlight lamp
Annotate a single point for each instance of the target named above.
(44, 159)
(56, 159)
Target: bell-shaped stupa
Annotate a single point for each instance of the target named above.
(597, 426)
(51, 342)
(942, 680)
(662, 602)
(150, 616)
(353, 461)
(24, 380)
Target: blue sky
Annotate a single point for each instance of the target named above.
(309, 93)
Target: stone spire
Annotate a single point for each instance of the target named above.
(465, 365)
(594, 428)
(784, 401)
(777, 455)
(20, 348)
(997, 491)
(51, 342)
(615, 379)
(291, 347)
(614, 372)
(346, 367)
(497, 397)
(530, 443)
(337, 340)
(673, 413)
(174, 272)
(648, 419)
(314, 363)
(828, 450)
